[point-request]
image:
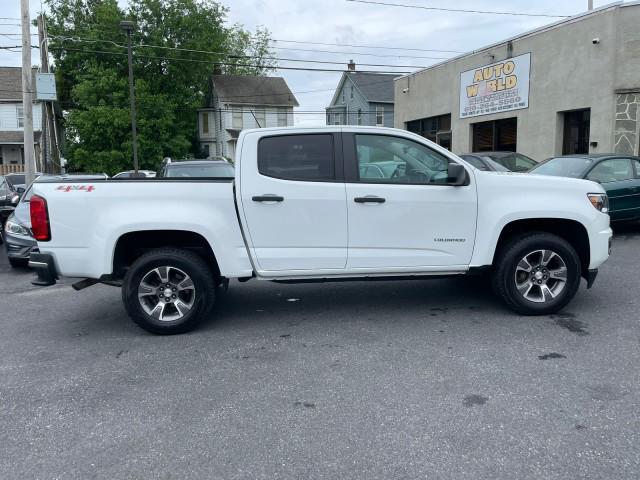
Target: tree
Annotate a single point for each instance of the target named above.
(176, 45)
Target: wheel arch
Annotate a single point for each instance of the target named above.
(131, 245)
(572, 231)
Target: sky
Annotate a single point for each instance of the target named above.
(353, 23)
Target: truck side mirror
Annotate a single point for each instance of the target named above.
(457, 175)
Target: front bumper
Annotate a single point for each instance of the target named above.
(19, 247)
(600, 247)
(45, 268)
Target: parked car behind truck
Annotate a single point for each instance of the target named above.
(619, 175)
(301, 209)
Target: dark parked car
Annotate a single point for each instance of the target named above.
(618, 174)
(500, 161)
(8, 200)
(196, 168)
(18, 180)
(18, 239)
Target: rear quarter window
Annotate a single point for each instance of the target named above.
(297, 157)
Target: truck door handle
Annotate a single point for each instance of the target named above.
(370, 199)
(267, 198)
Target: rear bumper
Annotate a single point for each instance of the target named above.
(45, 268)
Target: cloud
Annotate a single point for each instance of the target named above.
(339, 21)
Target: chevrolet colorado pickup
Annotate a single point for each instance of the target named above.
(321, 204)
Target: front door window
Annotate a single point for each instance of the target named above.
(385, 159)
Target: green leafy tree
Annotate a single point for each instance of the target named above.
(177, 44)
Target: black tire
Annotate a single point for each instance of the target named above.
(504, 276)
(18, 262)
(204, 288)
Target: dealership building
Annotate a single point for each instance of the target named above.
(569, 87)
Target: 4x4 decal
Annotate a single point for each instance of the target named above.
(70, 188)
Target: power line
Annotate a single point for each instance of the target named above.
(229, 55)
(302, 92)
(356, 54)
(367, 46)
(211, 62)
(441, 9)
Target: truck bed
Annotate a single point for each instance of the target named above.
(88, 217)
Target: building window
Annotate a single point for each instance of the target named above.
(351, 93)
(20, 116)
(205, 122)
(343, 100)
(379, 115)
(496, 136)
(437, 129)
(260, 117)
(206, 151)
(282, 117)
(576, 132)
(335, 118)
(236, 118)
(359, 117)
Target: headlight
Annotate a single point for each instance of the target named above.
(600, 201)
(16, 229)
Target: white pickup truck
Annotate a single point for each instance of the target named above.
(321, 204)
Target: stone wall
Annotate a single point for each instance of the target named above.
(627, 122)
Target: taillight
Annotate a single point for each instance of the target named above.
(39, 219)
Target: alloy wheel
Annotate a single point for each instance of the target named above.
(166, 293)
(541, 276)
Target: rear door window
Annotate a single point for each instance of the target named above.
(297, 157)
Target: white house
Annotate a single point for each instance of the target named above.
(238, 102)
(12, 117)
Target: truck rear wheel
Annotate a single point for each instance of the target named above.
(537, 274)
(168, 291)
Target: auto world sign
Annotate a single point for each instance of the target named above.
(499, 87)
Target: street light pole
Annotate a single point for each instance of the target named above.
(127, 26)
(590, 4)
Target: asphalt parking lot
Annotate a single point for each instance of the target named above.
(389, 380)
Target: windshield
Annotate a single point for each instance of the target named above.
(574, 167)
(16, 179)
(207, 170)
(515, 162)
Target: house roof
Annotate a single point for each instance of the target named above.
(11, 83)
(376, 87)
(17, 137)
(253, 90)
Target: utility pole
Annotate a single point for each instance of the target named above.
(49, 130)
(44, 68)
(127, 26)
(590, 5)
(27, 88)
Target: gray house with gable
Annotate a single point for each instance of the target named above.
(238, 102)
(362, 99)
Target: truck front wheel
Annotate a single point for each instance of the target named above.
(168, 291)
(537, 274)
